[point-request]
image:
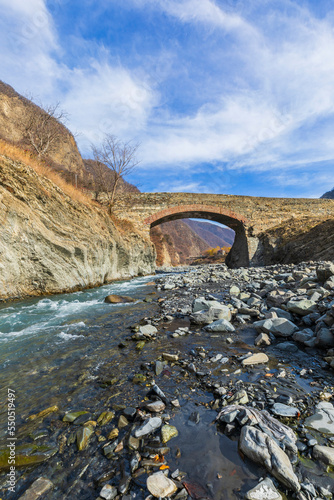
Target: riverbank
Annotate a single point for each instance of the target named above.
(182, 396)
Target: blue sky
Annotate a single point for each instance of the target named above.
(224, 96)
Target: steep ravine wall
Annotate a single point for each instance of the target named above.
(51, 243)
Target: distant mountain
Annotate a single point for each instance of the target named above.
(211, 233)
(329, 195)
(176, 242)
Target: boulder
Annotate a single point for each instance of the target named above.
(262, 449)
(221, 325)
(324, 453)
(118, 299)
(323, 419)
(265, 490)
(302, 307)
(325, 271)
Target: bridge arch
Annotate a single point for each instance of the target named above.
(239, 254)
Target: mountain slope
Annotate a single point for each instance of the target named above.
(175, 242)
(211, 233)
(329, 195)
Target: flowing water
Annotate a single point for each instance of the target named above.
(71, 351)
(47, 343)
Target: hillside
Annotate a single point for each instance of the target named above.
(176, 242)
(299, 240)
(14, 110)
(52, 241)
(329, 195)
(213, 235)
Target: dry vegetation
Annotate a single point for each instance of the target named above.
(41, 168)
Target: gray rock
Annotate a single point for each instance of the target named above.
(148, 427)
(204, 317)
(285, 410)
(302, 307)
(148, 330)
(265, 490)
(287, 347)
(325, 338)
(303, 336)
(325, 271)
(280, 327)
(323, 419)
(262, 449)
(108, 492)
(281, 313)
(221, 325)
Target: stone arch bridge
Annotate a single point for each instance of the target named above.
(248, 216)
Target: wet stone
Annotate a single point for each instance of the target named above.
(255, 359)
(122, 422)
(284, 410)
(83, 436)
(151, 425)
(168, 432)
(38, 488)
(265, 490)
(156, 406)
(71, 416)
(160, 486)
(323, 419)
(105, 418)
(324, 453)
(108, 492)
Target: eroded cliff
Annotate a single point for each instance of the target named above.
(51, 242)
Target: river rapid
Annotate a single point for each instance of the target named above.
(75, 353)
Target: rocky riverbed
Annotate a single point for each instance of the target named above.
(228, 395)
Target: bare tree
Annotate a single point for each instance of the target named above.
(120, 158)
(43, 127)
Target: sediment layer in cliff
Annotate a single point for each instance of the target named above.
(51, 242)
(298, 240)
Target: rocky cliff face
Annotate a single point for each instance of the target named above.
(12, 114)
(51, 243)
(299, 240)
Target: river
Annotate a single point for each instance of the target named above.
(75, 352)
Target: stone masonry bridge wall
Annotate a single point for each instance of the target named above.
(248, 216)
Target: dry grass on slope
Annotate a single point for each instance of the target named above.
(42, 169)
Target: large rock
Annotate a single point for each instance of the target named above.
(280, 327)
(221, 325)
(118, 299)
(38, 488)
(325, 271)
(255, 359)
(262, 449)
(265, 490)
(302, 307)
(323, 419)
(160, 486)
(151, 425)
(324, 453)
